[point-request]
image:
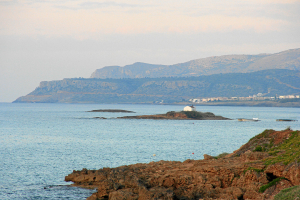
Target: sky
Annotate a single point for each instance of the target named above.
(55, 39)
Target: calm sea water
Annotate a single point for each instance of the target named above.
(42, 143)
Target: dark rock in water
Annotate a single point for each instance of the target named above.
(183, 115)
(286, 120)
(112, 110)
(100, 118)
(244, 174)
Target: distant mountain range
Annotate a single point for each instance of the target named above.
(169, 89)
(289, 59)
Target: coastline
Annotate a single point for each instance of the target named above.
(222, 103)
(255, 171)
(246, 103)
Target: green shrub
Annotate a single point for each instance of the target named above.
(258, 148)
(274, 182)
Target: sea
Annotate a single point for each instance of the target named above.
(40, 144)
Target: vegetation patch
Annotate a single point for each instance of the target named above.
(258, 148)
(288, 100)
(193, 114)
(253, 169)
(289, 193)
(265, 134)
(222, 155)
(287, 152)
(274, 182)
(262, 142)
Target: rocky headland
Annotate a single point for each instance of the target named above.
(263, 168)
(170, 90)
(182, 115)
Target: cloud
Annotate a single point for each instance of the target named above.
(85, 24)
(274, 1)
(77, 4)
(8, 2)
(96, 5)
(105, 4)
(92, 19)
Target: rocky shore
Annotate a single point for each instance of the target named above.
(183, 115)
(260, 169)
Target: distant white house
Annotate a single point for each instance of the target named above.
(189, 108)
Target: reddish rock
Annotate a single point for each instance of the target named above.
(290, 172)
(236, 176)
(272, 191)
(252, 156)
(208, 157)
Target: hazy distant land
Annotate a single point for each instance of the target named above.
(289, 59)
(268, 74)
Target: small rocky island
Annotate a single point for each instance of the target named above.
(182, 115)
(267, 167)
(112, 110)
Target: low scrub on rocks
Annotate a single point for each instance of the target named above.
(291, 193)
(274, 182)
(287, 152)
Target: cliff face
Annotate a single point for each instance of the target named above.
(289, 59)
(248, 173)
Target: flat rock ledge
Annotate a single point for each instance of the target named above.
(239, 175)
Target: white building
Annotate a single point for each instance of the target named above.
(189, 108)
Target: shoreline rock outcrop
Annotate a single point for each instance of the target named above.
(250, 172)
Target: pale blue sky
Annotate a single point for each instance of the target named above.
(51, 39)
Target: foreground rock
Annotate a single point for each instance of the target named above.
(183, 115)
(260, 169)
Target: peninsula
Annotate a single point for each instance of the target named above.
(267, 167)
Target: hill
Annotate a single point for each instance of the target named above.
(168, 89)
(289, 59)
